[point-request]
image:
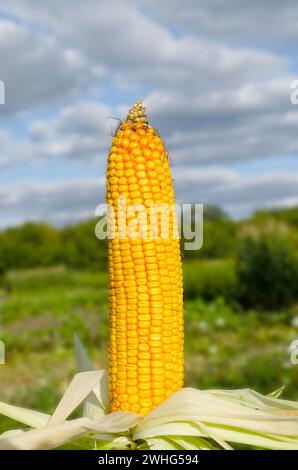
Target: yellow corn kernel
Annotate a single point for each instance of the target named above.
(145, 294)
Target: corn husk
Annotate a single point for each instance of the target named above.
(190, 419)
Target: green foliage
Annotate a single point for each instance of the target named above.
(81, 249)
(219, 239)
(214, 213)
(28, 246)
(76, 246)
(229, 349)
(44, 308)
(288, 216)
(267, 270)
(224, 347)
(2, 272)
(209, 279)
(219, 234)
(39, 245)
(39, 278)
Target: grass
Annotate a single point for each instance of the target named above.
(225, 347)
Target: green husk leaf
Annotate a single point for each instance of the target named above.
(277, 393)
(96, 405)
(193, 443)
(80, 387)
(163, 443)
(189, 419)
(83, 361)
(11, 433)
(120, 422)
(49, 437)
(32, 418)
(255, 400)
(224, 417)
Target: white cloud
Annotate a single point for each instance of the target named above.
(66, 201)
(37, 70)
(134, 47)
(56, 202)
(250, 122)
(13, 152)
(79, 132)
(256, 22)
(254, 120)
(238, 194)
(217, 91)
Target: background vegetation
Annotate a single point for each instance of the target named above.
(241, 305)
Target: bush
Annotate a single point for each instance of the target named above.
(218, 239)
(80, 249)
(209, 279)
(267, 271)
(29, 246)
(288, 216)
(35, 245)
(2, 272)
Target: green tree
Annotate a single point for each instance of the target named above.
(29, 246)
(267, 271)
(81, 249)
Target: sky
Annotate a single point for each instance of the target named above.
(215, 77)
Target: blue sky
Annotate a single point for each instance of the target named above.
(215, 77)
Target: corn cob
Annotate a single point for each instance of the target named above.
(145, 287)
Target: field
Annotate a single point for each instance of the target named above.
(225, 347)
